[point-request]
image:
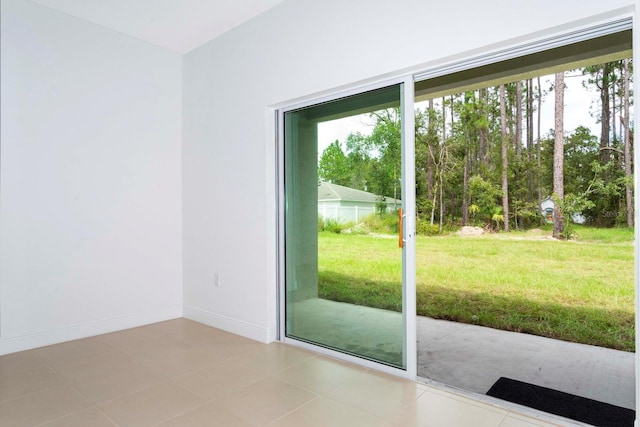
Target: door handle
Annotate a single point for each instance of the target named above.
(400, 218)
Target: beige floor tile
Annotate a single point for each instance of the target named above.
(128, 337)
(450, 394)
(151, 406)
(436, 410)
(220, 379)
(167, 372)
(322, 412)
(94, 366)
(201, 334)
(182, 333)
(181, 360)
(185, 330)
(18, 362)
(224, 337)
(151, 345)
(24, 382)
(423, 387)
(86, 418)
(319, 374)
(517, 420)
(40, 407)
(209, 415)
(166, 324)
(265, 401)
(382, 395)
(118, 383)
(274, 357)
(225, 347)
(72, 350)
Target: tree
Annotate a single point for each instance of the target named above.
(334, 166)
(518, 141)
(505, 159)
(580, 151)
(529, 115)
(628, 174)
(493, 133)
(558, 157)
(385, 140)
(484, 197)
(539, 146)
(602, 76)
(360, 162)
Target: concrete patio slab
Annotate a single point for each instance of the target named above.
(473, 357)
(470, 357)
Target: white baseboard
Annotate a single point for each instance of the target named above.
(230, 324)
(88, 329)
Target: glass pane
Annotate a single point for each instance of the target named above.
(343, 265)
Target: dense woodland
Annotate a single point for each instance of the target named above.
(483, 159)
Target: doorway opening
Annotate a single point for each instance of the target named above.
(498, 294)
(319, 205)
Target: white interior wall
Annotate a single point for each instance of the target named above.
(300, 48)
(90, 184)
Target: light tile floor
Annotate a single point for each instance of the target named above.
(182, 373)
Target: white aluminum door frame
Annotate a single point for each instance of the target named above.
(408, 205)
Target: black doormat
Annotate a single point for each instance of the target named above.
(564, 404)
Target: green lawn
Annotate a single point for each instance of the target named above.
(580, 291)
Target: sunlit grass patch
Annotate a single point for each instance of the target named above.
(580, 291)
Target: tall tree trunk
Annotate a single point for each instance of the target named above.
(505, 159)
(605, 118)
(614, 130)
(481, 133)
(433, 206)
(444, 120)
(530, 138)
(530, 119)
(453, 119)
(628, 171)
(430, 141)
(518, 141)
(442, 162)
(487, 139)
(558, 158)
(465, 189)
(539, 148)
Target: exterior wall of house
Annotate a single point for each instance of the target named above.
(348, 211)
(298, 49)
(90, 179)
(345, 211)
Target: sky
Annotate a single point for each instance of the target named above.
(579, 103)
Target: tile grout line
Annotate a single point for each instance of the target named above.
(504, 418)
(291, 411)
(35, 391)
(183, 413)
(92, 404)
(65, 382)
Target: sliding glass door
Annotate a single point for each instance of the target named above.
(347, 234)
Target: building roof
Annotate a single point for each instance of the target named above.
(328, 192)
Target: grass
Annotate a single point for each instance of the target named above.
(580, 291)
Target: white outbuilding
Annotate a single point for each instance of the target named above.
(345, 204)
(547, 209)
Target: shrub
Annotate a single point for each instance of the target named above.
(425, 228)
(331, 225)
(386, 223)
